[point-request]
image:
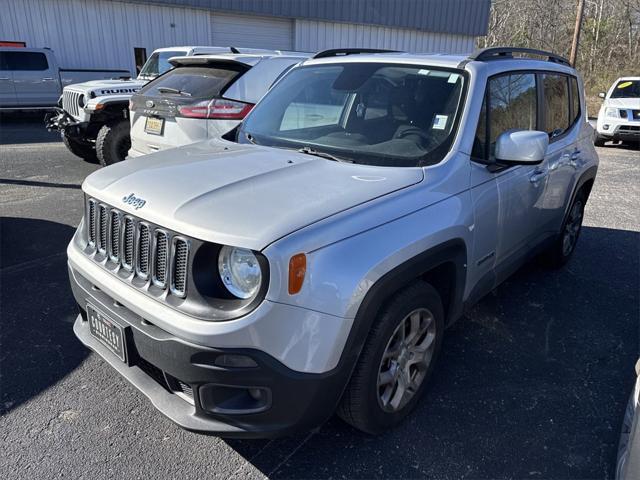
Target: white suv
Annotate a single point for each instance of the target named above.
(203, 97)
(311, 260)
(619, 116)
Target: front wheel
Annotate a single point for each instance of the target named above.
(79, 149)
(113, 142)
(396, 361)
(599, 141)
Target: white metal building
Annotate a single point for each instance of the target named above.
(104, 33)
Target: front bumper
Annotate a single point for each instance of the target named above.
(619, 130)
(186, 383)
(60, 120)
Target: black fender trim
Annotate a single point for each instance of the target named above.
(452, 251)
(589, 174)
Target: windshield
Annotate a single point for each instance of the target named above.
(158, 63)
(372, 113)
(626, 89)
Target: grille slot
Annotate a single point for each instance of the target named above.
(91, 221)
(160, 258)
(70, 102)
(114, 236)
(179, 263)
(144, 245)
(149, 252)
(128, 240)
(102, 227)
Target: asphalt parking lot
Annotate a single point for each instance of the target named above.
(531, 384)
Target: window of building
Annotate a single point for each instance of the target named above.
(140, 55)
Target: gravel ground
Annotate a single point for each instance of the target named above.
(531, 384)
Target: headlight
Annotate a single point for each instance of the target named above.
(611, 112)
(239, 271)
(81, 101)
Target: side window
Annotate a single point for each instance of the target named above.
(26, 61)
(512, 105)
(556, 100)
(575, 99)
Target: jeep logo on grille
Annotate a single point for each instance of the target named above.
(149, 103)
(134, 201)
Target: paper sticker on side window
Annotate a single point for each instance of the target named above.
(440, 122)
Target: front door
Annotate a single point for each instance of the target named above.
(35, 78)
(7, 91)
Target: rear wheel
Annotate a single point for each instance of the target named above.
(113, 142)
(79, 149)
(396, 361)
(564, 245)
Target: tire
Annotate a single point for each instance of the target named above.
(599, 141)
(79, 149)
(565, 243)
(113, 142)
(363, 403)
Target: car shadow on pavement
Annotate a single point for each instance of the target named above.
(25, 127)
(532, 382)
(37, 345)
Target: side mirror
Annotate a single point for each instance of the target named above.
(521, 147)
(602, 94)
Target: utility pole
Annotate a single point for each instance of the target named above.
(576, 33)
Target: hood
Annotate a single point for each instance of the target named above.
(100, 88)
(240, 195)
(630, 103)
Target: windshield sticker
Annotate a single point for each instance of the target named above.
(625, 84)
(453, 78)
(440, 122)
(422, 71)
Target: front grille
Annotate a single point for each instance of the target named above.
(128, 246)
(144, 251)
(103, 221)
(167, 381)
(91, 222)
(179, 275)
(160, 259)
(70, 102)
(630, 128)
(114, 244)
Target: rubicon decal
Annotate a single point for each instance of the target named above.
(113, 91)
(134, 201)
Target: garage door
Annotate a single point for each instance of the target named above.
(251, 31)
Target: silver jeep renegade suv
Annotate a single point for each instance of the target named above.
(309, 261)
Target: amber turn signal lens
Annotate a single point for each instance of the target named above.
(297, 271)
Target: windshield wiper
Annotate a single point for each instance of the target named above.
(173, 90)
(316, 153)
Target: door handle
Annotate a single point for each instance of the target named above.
(575, 155)
(47, 79)
(537, 176)
(4, 78)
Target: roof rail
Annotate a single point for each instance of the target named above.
(497, 53)
(337, 52)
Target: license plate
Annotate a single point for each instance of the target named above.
(108, 332)
(154, 125)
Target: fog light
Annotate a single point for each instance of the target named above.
(605, 127)
(232, 400)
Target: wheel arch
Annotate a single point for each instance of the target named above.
(443, 267)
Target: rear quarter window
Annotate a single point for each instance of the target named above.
(575, 99)
(556, 100)
(197, 82)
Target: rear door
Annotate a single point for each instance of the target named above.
(35, 78)
(561, 122)
(7, 90)
(176, 108)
